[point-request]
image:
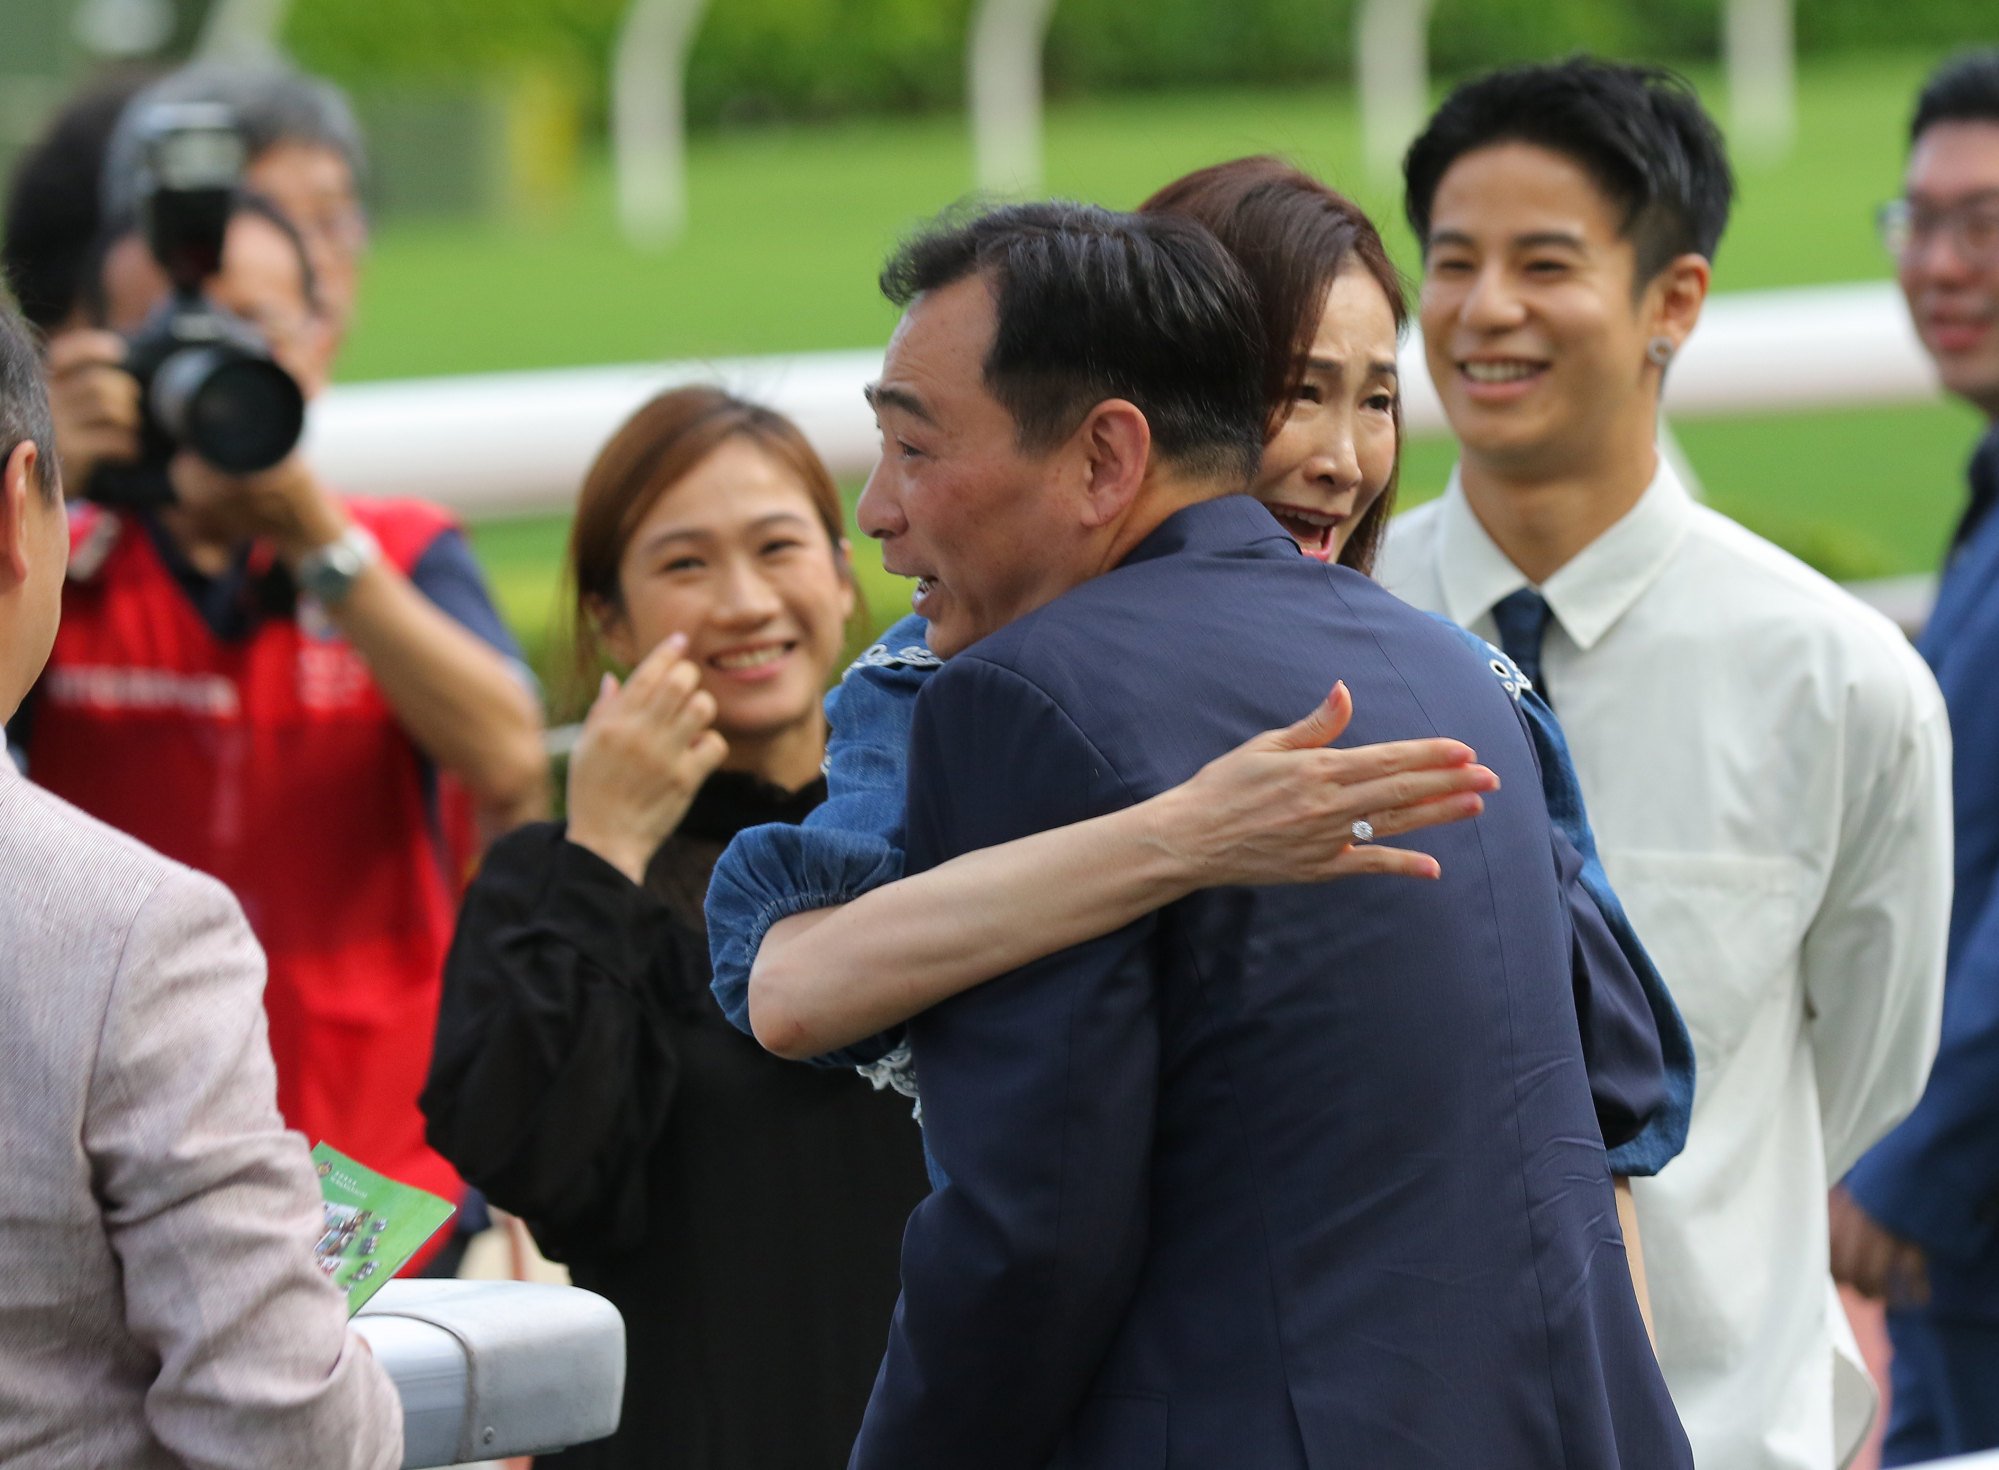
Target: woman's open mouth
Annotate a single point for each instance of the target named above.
(1312, 529)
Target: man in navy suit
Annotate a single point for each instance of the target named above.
(1273, 1178)
(1918, 1219)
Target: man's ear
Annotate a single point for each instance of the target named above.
(20, 482)
(1676, 295)
(1117, 447)
(843, 561)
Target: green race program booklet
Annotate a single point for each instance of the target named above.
(373, 1224)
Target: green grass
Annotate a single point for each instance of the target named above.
(789, 226)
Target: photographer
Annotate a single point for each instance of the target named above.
(303, 152)
(301, 694)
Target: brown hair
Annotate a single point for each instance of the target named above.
(653, 450)
(1292, 235)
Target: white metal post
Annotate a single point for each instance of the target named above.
(1392, 72)
(649, 117)
(243, 31)
(1760, 42)
(1003, 83)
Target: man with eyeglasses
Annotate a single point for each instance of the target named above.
(1917, 1222)
(305, 155)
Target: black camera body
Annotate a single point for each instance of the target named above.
(207, 380)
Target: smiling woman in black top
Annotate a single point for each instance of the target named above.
(742, 1212)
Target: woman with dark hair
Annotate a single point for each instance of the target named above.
(744, 1213)
(811, 975)
(1325, 289)
(583, 1078)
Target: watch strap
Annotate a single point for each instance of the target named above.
(328, 574)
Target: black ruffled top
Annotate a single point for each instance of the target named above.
(744, 1213)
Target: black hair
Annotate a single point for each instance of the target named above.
(1638, 131)
(271, 104)
(247, 202)
(24, 400)
(52, 210)
(1093, 304)
(1963, 89)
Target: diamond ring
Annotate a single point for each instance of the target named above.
(1363, 831)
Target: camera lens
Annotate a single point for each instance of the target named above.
(238, 412)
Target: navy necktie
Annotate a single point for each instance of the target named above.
(1523, 621)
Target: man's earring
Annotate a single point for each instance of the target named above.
(1659, 351)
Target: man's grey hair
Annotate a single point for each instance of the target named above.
(24, 399)
(273, 105)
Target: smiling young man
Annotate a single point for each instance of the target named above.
(1765, 760)
(1208, 1203)
(1917, 1217)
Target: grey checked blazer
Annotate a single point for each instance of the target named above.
(158, 1302)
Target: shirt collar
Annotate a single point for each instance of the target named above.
(1594, 589)
(1224, 523)
(234, 602)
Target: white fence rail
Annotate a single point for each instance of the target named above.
(510, 443)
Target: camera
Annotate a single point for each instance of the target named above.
(207, 380)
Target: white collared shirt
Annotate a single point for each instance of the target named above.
(1767, 766)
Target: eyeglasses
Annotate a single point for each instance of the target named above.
(1972, 225)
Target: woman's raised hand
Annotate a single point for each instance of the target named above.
(1281, 807)
(645, 749)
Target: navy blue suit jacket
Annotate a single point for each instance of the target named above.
(1280, 1177)
(1935, 1178)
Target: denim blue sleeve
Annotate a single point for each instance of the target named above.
(1664, 1133)
(852, 843)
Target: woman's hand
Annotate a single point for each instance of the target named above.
(1280, 808)
(645, 750)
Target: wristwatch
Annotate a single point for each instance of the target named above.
(328, 574)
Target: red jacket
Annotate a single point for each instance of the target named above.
(275, 764)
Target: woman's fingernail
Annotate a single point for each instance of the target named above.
(677, 642)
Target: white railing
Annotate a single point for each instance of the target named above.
(489, 1369)
(513, 443)
(508, 443)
